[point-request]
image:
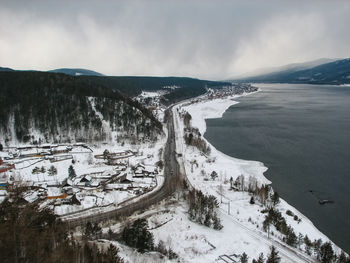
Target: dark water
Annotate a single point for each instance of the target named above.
(302, 134)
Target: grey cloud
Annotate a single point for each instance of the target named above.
(207, 39)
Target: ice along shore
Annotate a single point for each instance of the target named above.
(235, 203)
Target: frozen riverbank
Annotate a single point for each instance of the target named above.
(198, 170)
(211, 109)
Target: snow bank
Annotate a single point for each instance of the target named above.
(211, 109)
(223, 163)
(244, 219)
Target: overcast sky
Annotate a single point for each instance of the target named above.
(207, 39)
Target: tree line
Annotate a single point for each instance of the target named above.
(193, 137)
(202, 209)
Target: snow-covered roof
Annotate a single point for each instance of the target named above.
(88, 177)
(94, 183)
(140, 185)
(4, 155)
(145, 180)
(31, 197)
(30, 151)
(117, 186)
(60, 148)
(149, 168)
(54, 191)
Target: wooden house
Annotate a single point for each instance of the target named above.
(59, 149)
(4, 167)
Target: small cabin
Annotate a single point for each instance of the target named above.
(4, 167)
(59, 149)
(124, 180)
(86, 179)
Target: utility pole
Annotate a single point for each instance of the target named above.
(229, 206)
(221, 191)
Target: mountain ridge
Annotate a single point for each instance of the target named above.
(76, 72)
(336, 72)
(290, 67)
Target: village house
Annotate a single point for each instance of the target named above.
(141, 171)
(86, 181)
(60, 149)
(4, 167)
(122, 183)
(124, 180)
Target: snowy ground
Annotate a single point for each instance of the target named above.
(196, 243)
(242, 230)
(192, 242)
(85, 163)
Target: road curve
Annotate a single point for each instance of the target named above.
(172, 178)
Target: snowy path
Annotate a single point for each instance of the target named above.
(286, 252)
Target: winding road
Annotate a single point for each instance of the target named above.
(172, 179)
(172, 182)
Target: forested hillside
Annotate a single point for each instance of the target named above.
(76, 71)
(49, 107)
(178, 87)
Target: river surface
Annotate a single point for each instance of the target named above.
(302, 134)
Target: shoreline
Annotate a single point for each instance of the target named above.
(216, 108)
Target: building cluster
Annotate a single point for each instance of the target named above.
(97, 183)
(233, 89)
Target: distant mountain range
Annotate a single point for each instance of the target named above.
(76, 72)
(289, 67)
(177, 88)
(335, 72)
(6, 69)
(67, 71)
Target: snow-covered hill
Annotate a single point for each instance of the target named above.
(39, 107)
(336, 72)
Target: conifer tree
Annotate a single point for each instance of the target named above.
(71, 172)
(308, 245)
(244, 258)
(326, 253)
(342, 258)
(275, 198)
(111, 255)
(273, 256)
(52, 170)
(137, 235)
(261, 258)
